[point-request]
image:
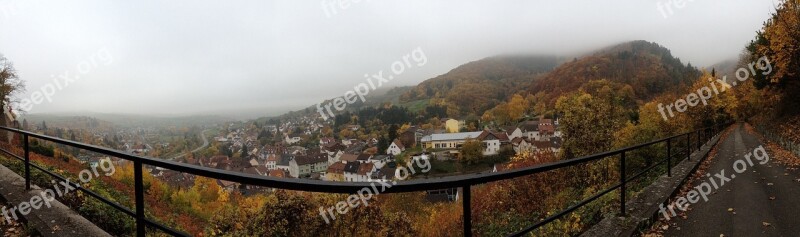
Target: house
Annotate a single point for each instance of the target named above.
(332, 146)
(542, 146)
(513, 132)
(546, 129)
(272, 161)
(214, 161)
(284, 162)
(335, 172)
(453, 126)
(410, 137)
(334, 157)
(395, 148)
(140, 149)
(254, 163)
(278, 173)
(356, 148)
(492, 142)
(351, 171)
(520, 144)
(447, 140)
(530, 130)
(178, 179)
(380, 160)
(228, 185)
(348, 158)
(363, 158)
(292, 139)
(302, 166)
(325, 141)
(386, 173)
(365, 171)
(353, 127)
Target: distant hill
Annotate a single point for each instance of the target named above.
(373, 99)
(727, 67)
(480, 85)
(71, 122)
(475, 87)
(648, 68)
(91, 120)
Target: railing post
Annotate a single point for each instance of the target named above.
(467, 209)
(27, 161)
(669, 157)
(699, 141)
(689, 146)
(622, 182)
(139, 191)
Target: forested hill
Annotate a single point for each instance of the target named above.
(479, 86)
(648, 68)
(482, 84)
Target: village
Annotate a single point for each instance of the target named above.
(297, 148)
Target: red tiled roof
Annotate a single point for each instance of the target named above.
(399, 144)
(365, 168)
(277, 173)
(336, 168)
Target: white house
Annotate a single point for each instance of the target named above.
(380, 160)
(292, 139)
(513, 132)
(302, 166)
(395, 148)
(358, 172)
(520, 144)
(530, 130)
(334, 156)
(492, 142)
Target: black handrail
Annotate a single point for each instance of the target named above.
(465, 182)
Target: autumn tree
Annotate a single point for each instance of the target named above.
(592, 115)
(472, 151)
(779, 42)
(10, 86)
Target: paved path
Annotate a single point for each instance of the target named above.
(205, 144)
(765, 198)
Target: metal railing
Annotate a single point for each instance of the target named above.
(465, 182)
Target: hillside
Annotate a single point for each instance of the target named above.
(479, 85)
(648, 68)
(476, 87)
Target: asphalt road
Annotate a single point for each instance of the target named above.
(765, 199)
(205, 144)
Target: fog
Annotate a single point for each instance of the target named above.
(267, 57)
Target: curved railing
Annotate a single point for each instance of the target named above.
(465, 182)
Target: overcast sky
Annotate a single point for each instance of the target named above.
(196, 57)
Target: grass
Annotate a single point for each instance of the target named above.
(417, 105)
